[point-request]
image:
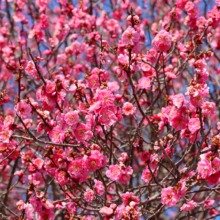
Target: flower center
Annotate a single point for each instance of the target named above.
(169, 196)
(129, 36)
(93, 163)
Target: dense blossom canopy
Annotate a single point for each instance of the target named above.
(109, 109)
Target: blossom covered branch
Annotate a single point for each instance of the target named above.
(109, 109)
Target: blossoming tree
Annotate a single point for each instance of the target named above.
(109, 109)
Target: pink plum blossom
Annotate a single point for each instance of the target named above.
(169, 197)
(130, 36)
(162, 41)
(99, 187)
(129, 109)
(188, 206)
(144, 83)
(89, 195)
(57, 135)
(204, 168)
(23, 109)
(106, 211)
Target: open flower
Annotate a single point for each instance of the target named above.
(128, 108)
(130, 36)
(23, 109)
(188, 206)
(162, 41)
(169, 197)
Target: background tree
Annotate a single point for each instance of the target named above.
(109, 109)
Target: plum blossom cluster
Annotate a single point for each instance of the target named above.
(109, 109)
